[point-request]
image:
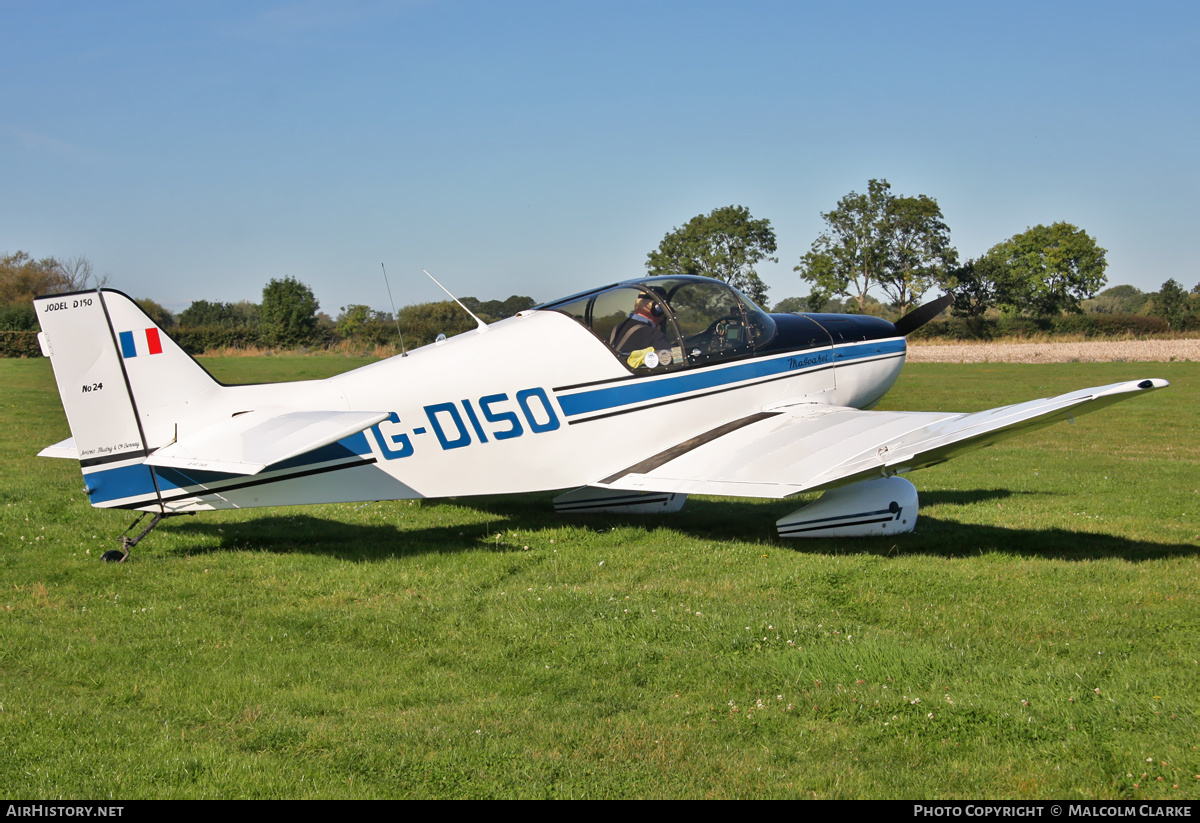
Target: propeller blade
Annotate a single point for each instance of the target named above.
(921, 315)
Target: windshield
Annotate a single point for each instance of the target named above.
(665, 323)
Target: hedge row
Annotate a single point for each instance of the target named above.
(19, 344)
(1088, 325)
(196, 340)
(199, 339)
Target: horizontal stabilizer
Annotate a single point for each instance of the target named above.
(811, 447)
(249, 442)
(65, 448)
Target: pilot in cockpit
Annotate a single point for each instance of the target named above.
(640, 335)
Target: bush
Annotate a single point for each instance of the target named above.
(18, 317)
(199, 339)
(956, 328)
(1113, 325)
(19, 344)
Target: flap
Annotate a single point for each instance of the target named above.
(249, 442)
(810, 447)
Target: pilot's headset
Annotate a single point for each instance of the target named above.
(659, 295)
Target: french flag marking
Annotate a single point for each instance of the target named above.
(135, 343)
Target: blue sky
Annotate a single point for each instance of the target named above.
(195, 150)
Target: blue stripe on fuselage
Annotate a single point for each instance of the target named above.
(107, 485)
(115, 484)
(631, 393)
(872, 348)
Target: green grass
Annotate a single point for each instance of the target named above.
(1036, 637)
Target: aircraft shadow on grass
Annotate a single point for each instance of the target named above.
(712, 521)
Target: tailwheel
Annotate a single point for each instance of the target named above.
(127, 543)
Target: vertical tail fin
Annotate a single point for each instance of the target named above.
(118, 376)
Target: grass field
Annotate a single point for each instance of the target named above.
(1037, 637)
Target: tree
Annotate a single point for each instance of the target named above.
(421, 323)
(791, 305)
(22, 278)
(157, 312)
(821, 302)
(364, 324)
(727, 243)
(1171, 304)
(976, 286)
(877, 239)
(1049, 269)
(288, 313)
(490, 311)
(352, 318)
(820, 270)
(1117, 300)
(204, 313)
(76, 274)
(920, 252)
(244, 314)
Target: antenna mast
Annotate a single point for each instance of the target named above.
(395, 317)
(480, 325)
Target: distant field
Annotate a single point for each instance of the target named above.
(1037, 637)
(1162, 350)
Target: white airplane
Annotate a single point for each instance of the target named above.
(635, 395)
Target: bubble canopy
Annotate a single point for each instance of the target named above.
(669, 323)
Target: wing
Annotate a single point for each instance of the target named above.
(804, 448)
(248, 443)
